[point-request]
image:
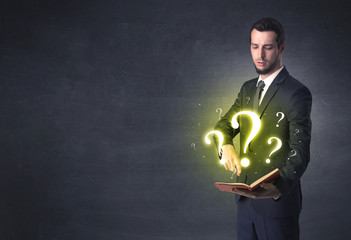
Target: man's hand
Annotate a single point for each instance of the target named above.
(231, 159)
(268, 191)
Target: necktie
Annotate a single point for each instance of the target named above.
(257, 96)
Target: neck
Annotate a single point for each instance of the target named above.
(264, 76)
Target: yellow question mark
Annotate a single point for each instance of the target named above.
(220, 141)
(279, 145)
(256, 125)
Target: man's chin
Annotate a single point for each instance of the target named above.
(263, 71)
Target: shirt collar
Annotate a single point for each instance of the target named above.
(268, 80)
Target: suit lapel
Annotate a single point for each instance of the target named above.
(251, 90)
(273, 88)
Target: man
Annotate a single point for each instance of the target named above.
(283, 105)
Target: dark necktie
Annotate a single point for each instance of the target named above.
(257, 96)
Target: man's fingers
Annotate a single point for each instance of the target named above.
(268, 186)
(238, 168)
(245, 194)
(231, 164)
(235, 167)
(238, 171)
(231, 157)
(225, 164)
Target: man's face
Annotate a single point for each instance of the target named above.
(265, 53)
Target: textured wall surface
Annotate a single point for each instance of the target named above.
(104, 106)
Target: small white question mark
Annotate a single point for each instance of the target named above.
(294, 153)
(256, 125)
(296, 131)
(281, 118)
(279, 145)
(247, 100)
(193, 146)
(220, 112)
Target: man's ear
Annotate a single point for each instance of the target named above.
(282, 47)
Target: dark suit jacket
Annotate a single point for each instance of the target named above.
(293, 99)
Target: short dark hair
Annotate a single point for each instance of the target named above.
(270, 24)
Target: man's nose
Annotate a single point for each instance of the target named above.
(262, 54)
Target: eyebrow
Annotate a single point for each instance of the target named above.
(265, 45)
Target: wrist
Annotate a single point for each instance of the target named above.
(227, 145)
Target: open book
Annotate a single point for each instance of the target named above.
(229, 187)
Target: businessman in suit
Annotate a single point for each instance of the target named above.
(283, 105)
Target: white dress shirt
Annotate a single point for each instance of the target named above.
(267, 81)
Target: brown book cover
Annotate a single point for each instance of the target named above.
(229, 187)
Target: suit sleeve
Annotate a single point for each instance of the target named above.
(225, 126)
(298, 115)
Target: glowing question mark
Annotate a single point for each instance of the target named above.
(279, 145)
(220, 142)
(281, 118)
(220, 112)
(296, 131)
(193, 146)
(256, 125)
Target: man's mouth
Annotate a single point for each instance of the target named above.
(261, 63)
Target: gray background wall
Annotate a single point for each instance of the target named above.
(104, 106)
